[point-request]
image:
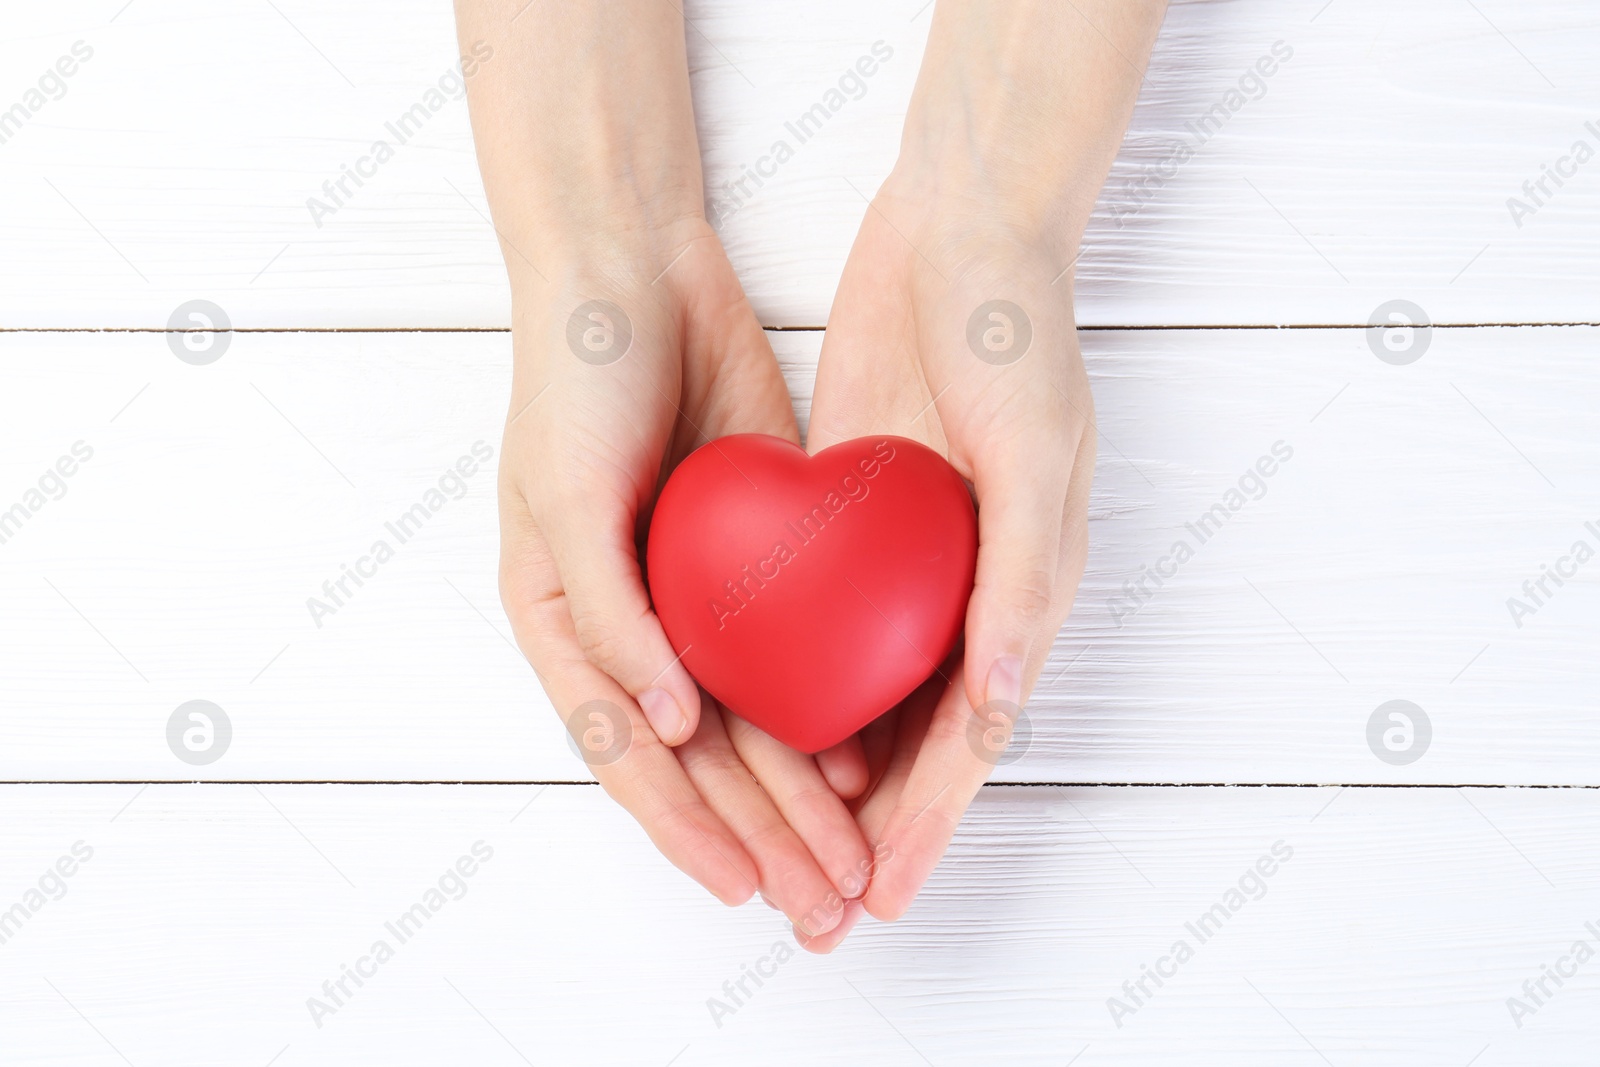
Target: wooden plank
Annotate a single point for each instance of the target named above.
(1394, 927)
(1376, 564)
(1375, 163)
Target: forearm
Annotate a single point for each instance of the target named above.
(584, 127)
(1020, 107)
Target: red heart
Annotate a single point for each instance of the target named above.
(810, 594)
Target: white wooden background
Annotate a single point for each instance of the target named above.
(1166, 753)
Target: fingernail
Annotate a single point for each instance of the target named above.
(1005, 681)
(852, 884)
(812, 926)
(663, 714)
(852, 914)
(736, 899)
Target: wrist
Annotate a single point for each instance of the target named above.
(1019, 109)
(950, 205)
(622, 270)
(585, 135)
(965, 154)
(599, 251)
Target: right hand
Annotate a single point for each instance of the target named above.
(593, 429)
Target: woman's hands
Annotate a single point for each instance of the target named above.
(633, 343)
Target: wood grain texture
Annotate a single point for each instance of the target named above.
(1375, 163)
(207, 504)
(1393, 933)
(1375, 564)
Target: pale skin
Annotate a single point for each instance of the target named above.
(586, 139)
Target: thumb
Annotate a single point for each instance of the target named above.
(1014, 602)
(592, 542)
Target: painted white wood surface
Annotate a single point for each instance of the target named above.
(207, 916)
(1375, 164)
(1375, 566)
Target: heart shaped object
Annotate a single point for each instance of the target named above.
(810, 594)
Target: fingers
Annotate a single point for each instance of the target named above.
(944, 750)
(914, 808)
(789, 876)
(623, 753)
(844, 766)
(893, 752)
(808, 803)
(591, 540)
(822, 944)
(684, 830)
(878, 746)
(926, 811)
(1014, 598)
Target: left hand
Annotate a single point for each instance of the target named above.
(916, 346)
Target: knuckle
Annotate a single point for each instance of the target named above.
(773, 837)
(566, 494)
(944, 818)
(1029, 599)
(602, 639)
(813, 799)
(948, 732)
(714, 762)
